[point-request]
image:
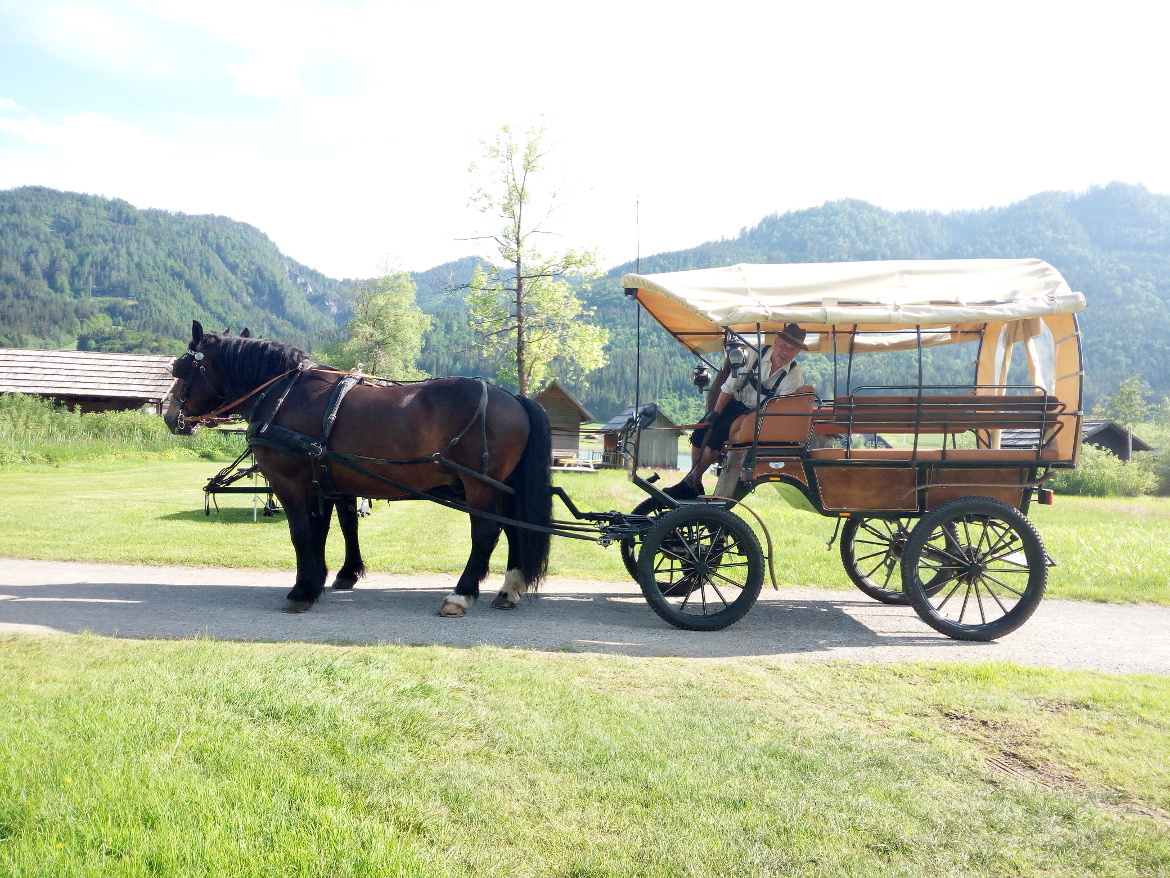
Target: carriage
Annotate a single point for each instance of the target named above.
(984, 405)
(980, 374)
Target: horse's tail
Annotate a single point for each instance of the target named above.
(532, 480)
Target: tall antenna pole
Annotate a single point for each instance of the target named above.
(638, 309)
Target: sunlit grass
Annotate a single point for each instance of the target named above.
(216, 759)
(152, 513)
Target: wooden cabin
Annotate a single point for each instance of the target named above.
(1105, 434)
(658, 448)
(88, 381)
(565, 416)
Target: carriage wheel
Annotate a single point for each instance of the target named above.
(701, 567)
(629, 550)
(871, 549)
(974, 568)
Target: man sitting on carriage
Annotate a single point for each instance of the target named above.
(745, 390)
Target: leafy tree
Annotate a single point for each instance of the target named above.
(384, 335)
(525, 313)
(1129, 407)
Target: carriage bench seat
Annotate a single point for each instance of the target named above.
(983, 455)
(787, 420)
(950, 413)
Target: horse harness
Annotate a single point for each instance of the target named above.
(265, 433)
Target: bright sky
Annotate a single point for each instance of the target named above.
(344, 129)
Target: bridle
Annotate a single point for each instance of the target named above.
(185, 368)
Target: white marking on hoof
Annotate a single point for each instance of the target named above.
(511, 591)
(456, 605)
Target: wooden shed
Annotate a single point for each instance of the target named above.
(1105, 434)
(88, 381)
(657, 449)
(565, 415)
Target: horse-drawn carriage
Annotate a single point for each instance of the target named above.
(939, 521)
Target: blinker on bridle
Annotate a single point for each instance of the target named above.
(185, 368)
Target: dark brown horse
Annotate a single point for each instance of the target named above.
(322, 436)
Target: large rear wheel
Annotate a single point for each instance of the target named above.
(974, 568)
(701, 567)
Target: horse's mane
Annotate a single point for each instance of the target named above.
(246, 363)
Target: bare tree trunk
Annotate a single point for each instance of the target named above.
(521, 335)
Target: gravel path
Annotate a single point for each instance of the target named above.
(798, 624)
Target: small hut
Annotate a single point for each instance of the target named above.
(1103, 433)
(565, 415)
(657, 448)
(88, 381)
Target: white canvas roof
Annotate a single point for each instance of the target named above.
(954, 295)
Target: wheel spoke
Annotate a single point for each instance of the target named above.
(995, 598)
(1000, 582)
(950, 594)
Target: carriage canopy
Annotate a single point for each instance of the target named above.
(856, 307)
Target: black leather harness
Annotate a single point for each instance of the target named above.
(269, 435)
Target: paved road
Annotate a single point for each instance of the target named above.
(571, 614)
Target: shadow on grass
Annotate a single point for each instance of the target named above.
(227, 515)
(595, 618)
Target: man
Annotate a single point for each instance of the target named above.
(741, 393)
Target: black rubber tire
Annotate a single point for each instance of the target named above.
(871, 549)
(629, 550)
(701, 567)
(984, 564)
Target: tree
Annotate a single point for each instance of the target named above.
(1129, 407)
(526, 315)
(384, 335)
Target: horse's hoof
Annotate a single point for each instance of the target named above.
(291, 606)
(504, 601)
(456, 605)
(342, 585)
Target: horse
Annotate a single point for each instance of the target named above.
(322, 436)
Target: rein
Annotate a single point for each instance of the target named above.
(195, 419)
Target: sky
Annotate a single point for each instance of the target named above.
(345, 130)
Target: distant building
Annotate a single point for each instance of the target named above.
(657, 448)
(88, 381)
(565, 416)
(1106, 434)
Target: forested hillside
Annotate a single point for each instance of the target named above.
(102, 275)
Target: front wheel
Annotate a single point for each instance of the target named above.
(974, 568)
(701, 567)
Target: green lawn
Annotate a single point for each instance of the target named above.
(152, 512)
(195, 758)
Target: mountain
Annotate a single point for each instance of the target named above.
(1112, 243)
(100, 274)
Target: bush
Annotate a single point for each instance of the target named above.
(1103, 474)
(36, 430)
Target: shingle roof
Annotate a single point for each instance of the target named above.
(618, 422)
(85, 373)
(555, 388)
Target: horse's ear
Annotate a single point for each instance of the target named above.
(196, 333)
(245, 333)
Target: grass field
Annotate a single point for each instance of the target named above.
(194, 758)
(152, 512)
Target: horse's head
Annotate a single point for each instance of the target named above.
(200, 390)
